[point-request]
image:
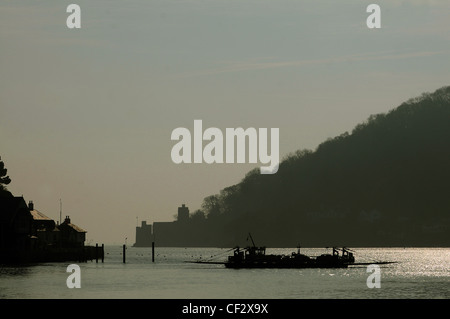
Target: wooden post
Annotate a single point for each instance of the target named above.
(124, 248)
(153, 251)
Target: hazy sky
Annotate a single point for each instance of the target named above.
(86, 114)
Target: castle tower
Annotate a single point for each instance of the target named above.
(183, 213)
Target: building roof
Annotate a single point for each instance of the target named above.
(74, 227)
(78, 229)
(37, 215)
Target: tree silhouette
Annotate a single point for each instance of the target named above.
(4, 179)
(197, 216)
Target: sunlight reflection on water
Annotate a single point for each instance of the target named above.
(418, 273)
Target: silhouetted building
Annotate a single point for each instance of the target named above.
(168, 233)
(71, 234)
(143, 235)
(15, 224)
(44, 229)
(183, 214)
(182, 232)
(28, 235)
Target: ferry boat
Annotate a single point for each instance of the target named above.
(256, 257)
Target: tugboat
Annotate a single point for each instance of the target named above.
(255, 257)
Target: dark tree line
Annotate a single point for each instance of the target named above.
(387, 183)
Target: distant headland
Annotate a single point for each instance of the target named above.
(385, 183)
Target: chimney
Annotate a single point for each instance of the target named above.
(30, 205)
(67, 220)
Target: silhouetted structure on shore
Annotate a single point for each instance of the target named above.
(183, 232)
(27, 235)
(143, 235)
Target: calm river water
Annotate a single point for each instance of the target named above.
(421, 273)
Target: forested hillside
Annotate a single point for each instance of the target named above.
(385, 183)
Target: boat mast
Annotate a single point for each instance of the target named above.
(251, 238)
